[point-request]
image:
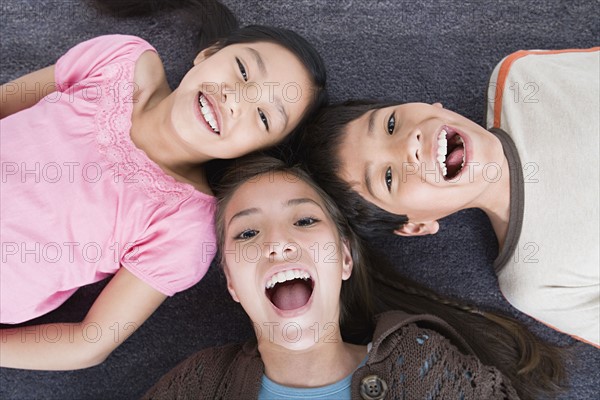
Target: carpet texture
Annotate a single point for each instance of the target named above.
(421, 50)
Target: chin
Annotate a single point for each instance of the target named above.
(290, 335)
(298, 344)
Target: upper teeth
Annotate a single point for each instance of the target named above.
(285, 276)
(442, 151)
(208, 113)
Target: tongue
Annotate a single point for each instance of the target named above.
(291, 294)
(454, 161)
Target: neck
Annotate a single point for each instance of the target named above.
(152, 132)
(320, 365)
(495, 202)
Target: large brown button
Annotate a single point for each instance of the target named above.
(373, 388)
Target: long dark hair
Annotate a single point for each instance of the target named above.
(533, 367)
(211, 19)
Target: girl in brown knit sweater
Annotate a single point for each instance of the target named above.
(300, 274)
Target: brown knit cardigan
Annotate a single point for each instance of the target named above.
(407, 361)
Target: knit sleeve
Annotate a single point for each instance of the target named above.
(428, 366)
(198, 377)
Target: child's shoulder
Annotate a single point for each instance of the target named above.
(150, 79)
(93, 55)
(116, 43)
(149, 74)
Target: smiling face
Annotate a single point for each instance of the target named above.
(241, 98)
(284, 260)
(420, 160)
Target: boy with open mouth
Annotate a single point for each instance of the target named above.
(402, 167)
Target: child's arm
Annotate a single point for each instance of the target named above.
(26, 91)
(124, 304)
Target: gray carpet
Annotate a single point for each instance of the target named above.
(422, 50)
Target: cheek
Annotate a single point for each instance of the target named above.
(227, 150)
(247, 140)
(418, 197)
(427, 203)
(242, 258)
(241, 281)
(325, 252)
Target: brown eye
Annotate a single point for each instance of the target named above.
(307, 221)
(247, 234)
(242, 69)
(391, 124)
(263, 118)
(388, 179)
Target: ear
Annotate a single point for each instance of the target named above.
(418, 228)
(204, 54)
(439, 105)
(230, 286)
(347, 263)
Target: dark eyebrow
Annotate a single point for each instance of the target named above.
(368, 182)
(303, 200)
(258, 59)
(371, 125)
(369, 165)
(243, 213)
(289, 203)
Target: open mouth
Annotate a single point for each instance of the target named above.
(208, 113)
(289, 290)
(450, 153)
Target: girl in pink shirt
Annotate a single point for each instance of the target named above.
(102, 174)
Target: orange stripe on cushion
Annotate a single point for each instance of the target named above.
(505, 67)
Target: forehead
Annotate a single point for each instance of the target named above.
(265, 48)
(278, 60)
(358, 148)
(270, 191)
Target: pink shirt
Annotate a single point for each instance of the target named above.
(79, 199)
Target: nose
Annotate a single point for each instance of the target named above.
(280, 247)
(407, 144)
(403, 146)
(418, 145)
(231, 98)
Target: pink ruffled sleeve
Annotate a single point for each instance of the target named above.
(177, 247)
(86, 59)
